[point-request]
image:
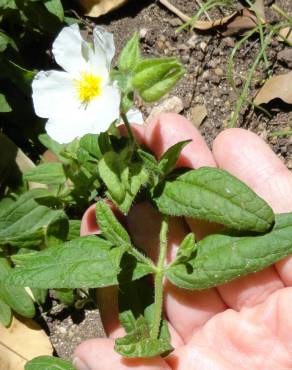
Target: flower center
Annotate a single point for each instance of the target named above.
(88, 87)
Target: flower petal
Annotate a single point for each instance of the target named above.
(135, 116)
(71, 51)
(52, 92)
(78, 120)
(104, 45)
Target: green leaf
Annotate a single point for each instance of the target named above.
(89, 142)
(170, 157)
(15, 297)
(154, 78)
(138, 343)
(186, 249)
(109, 172)
(55, 7)
(130, 55)
(5, 40)
(221, 258)
(48, 363)
(4, 106)
(110, 227)
(40, 295)
(25, 223)
(65, 296)
(5, 313)
(133, 179)
(86, 262)
(47, 173)
(149, 161)
(74, 229)
(136, 316)
(53, 145)
(213, 194)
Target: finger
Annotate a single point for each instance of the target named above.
(99, 354)
(254, 338)
(247, 157)
(168, 129)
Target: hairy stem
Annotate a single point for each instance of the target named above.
(141, 258)
(158, 294)
(128, 127)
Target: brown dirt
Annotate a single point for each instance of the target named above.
(204, 56)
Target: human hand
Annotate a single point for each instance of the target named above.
(244, 324)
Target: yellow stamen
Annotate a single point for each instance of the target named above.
(88, 87)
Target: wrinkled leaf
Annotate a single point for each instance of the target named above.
(170, 157)
(214, 195)
(25, 223)
(47, 173)
(276, 87)
(222, 258)
(86, 262)
(5, 313)
(48, 363)
(138, 343)
(110, 227)
(14, 296)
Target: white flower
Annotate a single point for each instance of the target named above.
(82, 99)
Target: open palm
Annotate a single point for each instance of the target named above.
(244, 324)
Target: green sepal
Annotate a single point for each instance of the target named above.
(130, 55)
(154, 78)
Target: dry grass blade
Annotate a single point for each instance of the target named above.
(276, 87)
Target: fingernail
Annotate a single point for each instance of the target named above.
(79, 364)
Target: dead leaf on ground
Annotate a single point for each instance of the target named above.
(237, 22)
(96, 8)
(21, 342)
(285, 34)
(276, 87)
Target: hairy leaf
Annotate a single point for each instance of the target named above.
(48, 363)
(213, 194)
(221, 258)
(5, 313)
(170, 157)
(24, 223)
(86, 262)
(14, 296)
(138, 343)
(47, 173)
(110, 226)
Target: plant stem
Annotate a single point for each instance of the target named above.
(141, 258)
(130, 132)
(158, 282)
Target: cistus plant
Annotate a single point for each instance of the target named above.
(39, 233)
